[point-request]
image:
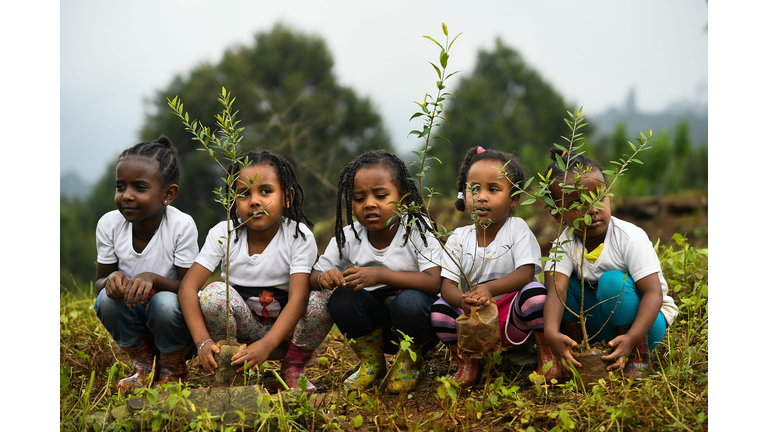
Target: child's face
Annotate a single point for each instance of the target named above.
(139, 193)
(600, 217)
(488, 193)
(261, 202)
(372, 191)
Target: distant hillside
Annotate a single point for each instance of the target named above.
(72, 186)
(694, 112)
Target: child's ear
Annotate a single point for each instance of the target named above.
(170, 194)
(291, 194)
(513, 202)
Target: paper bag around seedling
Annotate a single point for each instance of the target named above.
(478, 333)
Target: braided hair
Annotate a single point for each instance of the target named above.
(572, 164)
(161, 151)
(400, 176)
(513, 169)
(288, 181)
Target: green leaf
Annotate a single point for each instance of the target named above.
(444, 59)
(445, 30)
(438, 43)
(439, 74)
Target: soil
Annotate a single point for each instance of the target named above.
(592, 365)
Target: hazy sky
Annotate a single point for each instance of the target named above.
(116, 54)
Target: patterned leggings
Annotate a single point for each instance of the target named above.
(309, 333)
(527, 314)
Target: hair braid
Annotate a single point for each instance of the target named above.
(288, 181)
(163, 153)
(404, 183)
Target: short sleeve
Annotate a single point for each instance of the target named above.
(565, 265)
(451, 258)
(304, 251)
(105, 243)
(330, 258)
(186, 248)
(526, 249)
(641, 259)
(212, 253)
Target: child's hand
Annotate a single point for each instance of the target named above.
(331, 279)
(480, 296)
(560, 345)
(206, 356)
(623, 345)
(255, 354)
(362, 277)
(138, 289)
(115, 285)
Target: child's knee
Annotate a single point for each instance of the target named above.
(615, 282)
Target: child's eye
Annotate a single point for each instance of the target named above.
(266, 191)
(119, 187)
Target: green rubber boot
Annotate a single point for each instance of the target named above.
(370, 351)
(406, 371)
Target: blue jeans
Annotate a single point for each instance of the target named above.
(611, 288)
(160, 316)
(360, 313)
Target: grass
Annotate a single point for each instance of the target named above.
(673, 397)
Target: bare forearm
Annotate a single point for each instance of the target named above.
(427, 281)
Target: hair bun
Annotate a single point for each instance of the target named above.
(164, 140)
(554, 151)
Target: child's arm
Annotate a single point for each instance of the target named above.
(193, 315)
(329, 279)
(449, 291)
(110, 278)
(298, 298)
(427, 281)
(649, 290)
(138, 288)
(560, 344)
(483, 293)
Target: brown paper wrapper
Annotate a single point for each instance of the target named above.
(478, 332)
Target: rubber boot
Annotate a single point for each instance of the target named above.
(640, 358)
(292, 367)
(172, 367)
(543, 355)
(406, 371)
(370, 350)
(143, 359)
(469, 369)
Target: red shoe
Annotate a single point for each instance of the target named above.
(292, 367)
(544, 355)
(469, 369)
(172, 367)
(143, 359)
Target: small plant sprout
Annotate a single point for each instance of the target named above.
(222, 144)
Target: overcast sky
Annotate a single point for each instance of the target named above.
(116, 54)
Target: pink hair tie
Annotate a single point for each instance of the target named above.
(480, 149)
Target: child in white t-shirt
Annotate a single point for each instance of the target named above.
(271, 257)
(623, 279)
(385, 271)
(498, 254)
(144, 249)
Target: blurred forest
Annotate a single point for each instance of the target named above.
(290, 102)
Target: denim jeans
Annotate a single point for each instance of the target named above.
(611, 288)
(160, 316)
(360, 313)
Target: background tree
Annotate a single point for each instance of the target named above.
(503, 104)
(289, 101)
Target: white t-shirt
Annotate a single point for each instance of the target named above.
(173, 244)
(395, 257)
(626, 248)
(282, 257)
(515, 245)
